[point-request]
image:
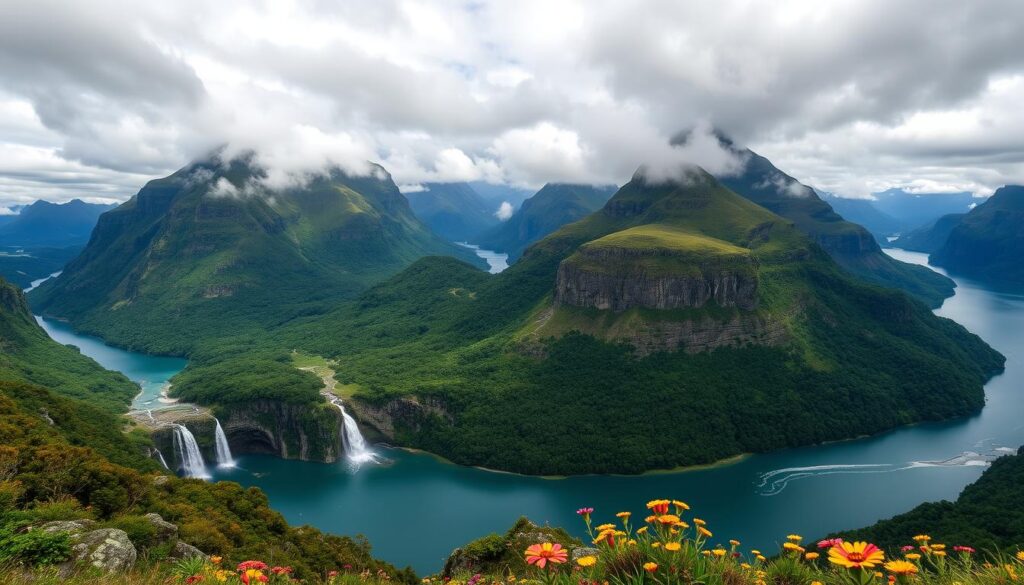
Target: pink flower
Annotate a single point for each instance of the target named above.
(585, 511)
(964, 549)
(829, 542)
(907, 548)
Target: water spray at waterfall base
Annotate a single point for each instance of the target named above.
(356, 450)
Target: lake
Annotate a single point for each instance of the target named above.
(416, 510)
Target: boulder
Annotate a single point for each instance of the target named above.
(583, 551)
(70, 526)
(183, 550)
(165, 531)
(107, 549)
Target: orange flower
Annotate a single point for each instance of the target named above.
(668, 519)
(704, 532)
(543, 553)
(650, 567)
(856, 555)
(659, 507)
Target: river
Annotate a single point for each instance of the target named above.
(418, 509)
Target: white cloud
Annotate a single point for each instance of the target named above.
(505, 211)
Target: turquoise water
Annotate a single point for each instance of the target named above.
(416, 510)
(496, 261)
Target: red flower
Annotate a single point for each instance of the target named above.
(585, 511)
(829, 542)
(332, 574)
(964, 549)
(246, 565)
(193, 579)
(907, 548)
(281, 570)
(347, 567)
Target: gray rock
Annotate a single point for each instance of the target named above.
(165, 531)
(161, 479)
(183, 550)
(71, 526)
(107, 549)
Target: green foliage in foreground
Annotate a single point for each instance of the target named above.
(83, 466)
(988, 514)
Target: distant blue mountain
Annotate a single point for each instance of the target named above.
(52, 224)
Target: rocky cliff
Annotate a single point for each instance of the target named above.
(383, 421)
(617, 279)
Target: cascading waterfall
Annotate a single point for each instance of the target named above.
(224, 458)
(162, 460)
(187, 451)
(356, 449)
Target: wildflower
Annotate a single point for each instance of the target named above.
(604, 527)
(755, 552)
(641, 530)
(816, 583)
(215, 559)
(587, 561)
(907, 548)
(913, 557)
(938, 547)
(624, 515)
(585, 512)
(655, 545)
(332, 574)
(680, 506)
(250, 576)
(922, 538)
(631, 542)
(734, 542)
(964, 549)
(745, 566)
(901, 568)
(658, 507)
(281, 570)
(672, 546)
(719, 552)
(194, 579)
(855, 555)
(706, 553)
(221, 575)
(1020, 555)
(811, 556)
(668, 519)
(704, 532)
(791, 546)
(543, 553)
(246, 565)
(940, 553)
(650, 567)
(699, 522)
(761, 558)
(794, 538)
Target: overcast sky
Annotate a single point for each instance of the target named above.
(97, 97)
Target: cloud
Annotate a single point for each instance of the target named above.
(852, 96)
(505, 211)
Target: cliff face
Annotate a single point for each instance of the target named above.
(290, 431)
(988, 242)
(628, 285)
(382, 422)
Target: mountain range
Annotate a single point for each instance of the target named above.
(554, 206)
(454, 211)
(54, 225)
(208, 250)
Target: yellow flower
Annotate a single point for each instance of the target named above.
(668, 519)
(794, 538)
(699, 522)
(1020, 556)
(938, 547)
(791, 546)
(912, 556)
(761, 558)
(901, 568)
(745, 566)
(922, 538)
(755, 552)
(641, 530)
(680, 505)
(672, 546)
(631, 542)
(655, 545)
(706, 553)
(650, 567)
(604, 527)
(811, 556)
(215, 559)
(940, 553)
(623, 514)
(734, 542)
(719, 552)
(856, 555)
(587, 561)
(816, 583)
(704, 532)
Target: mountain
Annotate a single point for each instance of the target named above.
(987, 243)
(987, 514)
(29, 355)
(849, 244)
(497, 193)
(555, 205)
(913, 210)
(930, 237)
(678, 325)
(864, 212)
(453, 210)
(45, 224)
(209, 251)
(22, 266)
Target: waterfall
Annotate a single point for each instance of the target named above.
(187, 451)
(224, 458)
(356, 449)
(162, 460)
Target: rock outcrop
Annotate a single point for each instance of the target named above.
(622, 290)
(380, 422)
(107, 549)
(310, 432)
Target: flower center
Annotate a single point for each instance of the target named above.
(855, 557)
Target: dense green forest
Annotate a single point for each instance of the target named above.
(987, 515)
(530, 399)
